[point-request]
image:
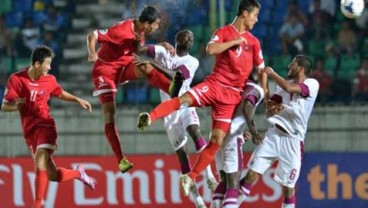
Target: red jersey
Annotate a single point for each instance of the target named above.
(233, 66)
(117, 42)
(37, 93)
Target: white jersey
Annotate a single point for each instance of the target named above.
(177, 122)
(297, 109)
(187, 64)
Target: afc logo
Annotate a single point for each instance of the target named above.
(103, 31)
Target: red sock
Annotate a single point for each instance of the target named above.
(41, 183)
(112, 136)
(164, 109)
(67, 174)
(158, 80)
(204, 159)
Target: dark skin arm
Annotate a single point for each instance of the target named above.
(214, 48)
(248, 111)
(273, 108)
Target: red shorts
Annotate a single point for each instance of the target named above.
(42, 136)
(222, 99)
(106, 75)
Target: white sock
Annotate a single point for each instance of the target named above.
(195, 196)
(241, 199)
(288, 205)
(230, 206)
(216, 203)
(208, 172)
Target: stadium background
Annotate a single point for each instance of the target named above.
(334, 171)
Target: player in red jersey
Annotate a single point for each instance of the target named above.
(237, 52)
(28, 91)
(113, 65)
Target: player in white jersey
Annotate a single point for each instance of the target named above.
(229, 159)
(288, 110)
(185, 121)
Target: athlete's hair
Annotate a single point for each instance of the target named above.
(149, 14)
(305, 62)
(41, 53)
(184, 39)
(247, 5)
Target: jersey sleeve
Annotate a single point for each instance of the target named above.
(57, 90)
(115, 34)
(310, 88)
(258, 55)
(189, 68)
(254, 93)
(276, 96)
(12, 90)
(217, 37)
(157, 52)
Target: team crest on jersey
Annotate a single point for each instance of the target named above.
(246, 47)
(42, 92)
(103, 32)
(101, 82)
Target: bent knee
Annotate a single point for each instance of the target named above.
(52, 176)
(251, 176)
(143, 70)
(218, 137)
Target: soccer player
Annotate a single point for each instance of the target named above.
(288, 111)
(237, 52)
(28, 91)
(113, 65)
(229, 159)
(184, 121)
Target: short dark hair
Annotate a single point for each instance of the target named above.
(149, 14)
(41, 53)
(247, 5)
(305, 62)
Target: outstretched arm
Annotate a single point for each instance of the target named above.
(14, 106)
(214, 48)
(143, 59)
(285, 85)
(264, 84)
(143, 49)
(71, 98)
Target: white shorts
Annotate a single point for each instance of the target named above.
(230, 157)
(280, 146)
(176, 125)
